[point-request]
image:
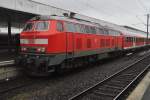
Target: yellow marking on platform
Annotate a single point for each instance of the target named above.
(139, 91)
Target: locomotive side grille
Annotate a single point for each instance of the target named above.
(107, 42)
(89, 44)
(79, 43)
(102, 42)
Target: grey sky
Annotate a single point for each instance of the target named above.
(123, 12)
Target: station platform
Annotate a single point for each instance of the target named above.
(7, 67)
(147, 94)
(8, 72)
(142, 91)
(7, 56)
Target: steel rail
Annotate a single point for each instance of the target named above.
(75, 97)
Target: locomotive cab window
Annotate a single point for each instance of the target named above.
(42, 26)
(28, 27)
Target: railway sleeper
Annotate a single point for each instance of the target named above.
(121, 78)
(109, 90)
(101, 93)
(112, 87)
(120, 81)
(96, 97)
(117, 85)
(127, 74)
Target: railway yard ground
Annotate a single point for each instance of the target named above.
(67, 85)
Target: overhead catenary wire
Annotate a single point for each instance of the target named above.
(104, 14)
(124, 9)
(141, 20)
(143, 6)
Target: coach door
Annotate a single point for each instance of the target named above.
(115, 40)
(134, 41)
(118, 40)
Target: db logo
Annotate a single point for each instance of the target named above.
(31, 41)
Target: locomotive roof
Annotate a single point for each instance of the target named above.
(74, 20)
(125, 30)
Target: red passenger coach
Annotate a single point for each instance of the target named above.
(51, 43)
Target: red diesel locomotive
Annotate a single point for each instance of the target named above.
(51, 43)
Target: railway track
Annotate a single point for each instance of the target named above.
(8, 77)
(8, 70)
(6, 87)
(113, 87)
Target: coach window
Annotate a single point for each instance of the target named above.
(117, 33)
(114, 33)
(127, 39)
(131, 39)
(111, 32)
(59, 26)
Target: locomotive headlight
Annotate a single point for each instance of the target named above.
(41, 49)
(23, 49)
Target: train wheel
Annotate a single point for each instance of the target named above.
(59, 69)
